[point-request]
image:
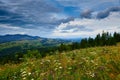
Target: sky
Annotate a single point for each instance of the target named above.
(59, 18)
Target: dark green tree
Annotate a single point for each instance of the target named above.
(116, 36)
(91, 42)
(84, 43)
(97, 40)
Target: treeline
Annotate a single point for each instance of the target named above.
(104, 39)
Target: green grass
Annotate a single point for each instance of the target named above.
(98, 63)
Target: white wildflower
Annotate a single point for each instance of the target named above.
(92, 75)
(60, 67)
(70, 68)
(29, 73)
(48, 60)
(24, 78)
(56, 69)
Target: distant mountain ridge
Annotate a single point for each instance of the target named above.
(11, 44)
(17, 37)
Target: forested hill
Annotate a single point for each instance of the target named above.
(17, 37)
(11, 44)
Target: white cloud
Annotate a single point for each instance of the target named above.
(7, 26)
(8, 29)
(88, 27)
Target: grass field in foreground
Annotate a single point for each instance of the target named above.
(97, 63)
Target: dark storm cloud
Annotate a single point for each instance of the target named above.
(66, 20)
(86, 14)
(21, 13)
(100, 15)
(106, 12)
(74, 28)
(41, 12)
(8, 17)
(114, 9)
(103, 14)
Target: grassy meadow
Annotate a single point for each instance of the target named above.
(97, 63)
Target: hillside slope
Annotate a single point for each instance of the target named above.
(98, 63)
(11, 44)
(17, 37)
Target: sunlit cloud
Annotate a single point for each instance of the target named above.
(88, 27)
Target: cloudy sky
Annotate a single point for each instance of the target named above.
(59, 18)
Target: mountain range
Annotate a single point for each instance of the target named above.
(10, 44)
(17, 37)
(20, 37)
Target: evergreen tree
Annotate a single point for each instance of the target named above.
(84, 43)
(97, 40)
(91, 42)
(116, 36)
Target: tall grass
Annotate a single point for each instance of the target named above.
(98, 63)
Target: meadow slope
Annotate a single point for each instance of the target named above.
(97, 63)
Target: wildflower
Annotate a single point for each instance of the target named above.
(92, 75)
(23, 72)
(24, 78)
(59, 63)
(93, 53)
(55, 69)
(55, 61)
(42, 74)
(23, 75)
(70, 68)
(92, 61)
(60, 67)
(48, 60)
(96, 64)
(29, 73)
(41, 63)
